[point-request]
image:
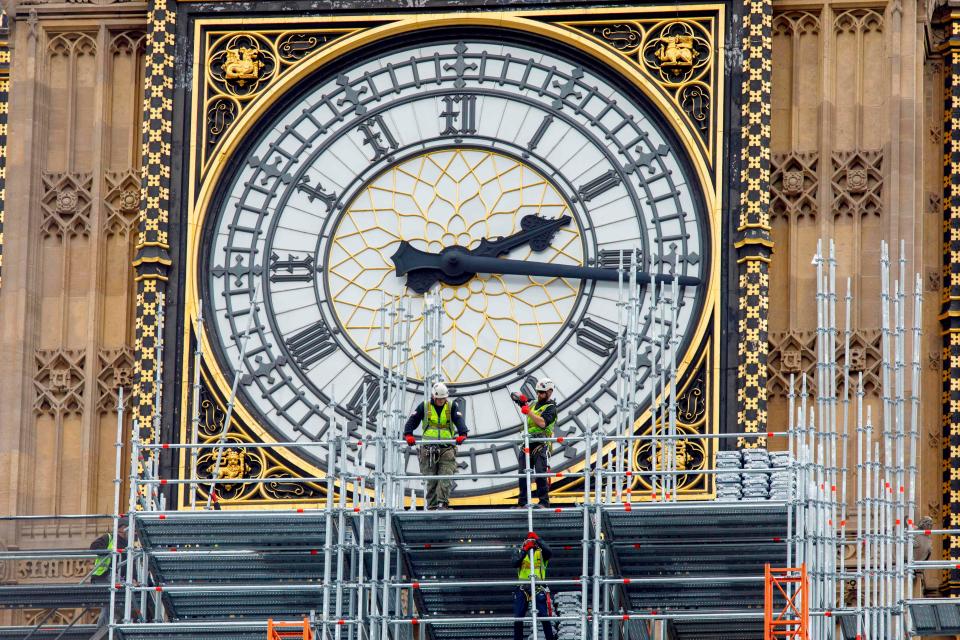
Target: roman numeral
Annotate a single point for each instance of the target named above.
(459, 121)
(599, 185)
(316, 193)
(595, 337)
(292, 269)
(311, 345)
(529, 387)
(377, 136)
(372, 387)
(541, 130)
(615, 258)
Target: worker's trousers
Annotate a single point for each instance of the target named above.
(520, 607)
(438, 461)
(538, 464)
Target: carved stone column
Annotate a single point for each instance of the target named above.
(950, 296)
(152, 258)
(753, 244)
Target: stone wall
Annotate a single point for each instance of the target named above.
(66, 301)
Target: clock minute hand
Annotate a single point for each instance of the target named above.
(462, 262)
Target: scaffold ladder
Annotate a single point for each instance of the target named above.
(792, 620)
(289, 630)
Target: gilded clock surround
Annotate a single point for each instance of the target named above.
(659, 85)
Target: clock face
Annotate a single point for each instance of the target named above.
(448, 143)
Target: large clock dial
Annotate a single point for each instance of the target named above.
(468, 143)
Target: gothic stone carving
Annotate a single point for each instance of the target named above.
(115, 368)
(65, 204)
(795, 353)
(59, 381)
(857, 182)
(122, 202)
(793, 186)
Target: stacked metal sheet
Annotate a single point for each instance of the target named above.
(754, 474)
(729, 487)
(781, 476)
(567, 603)
(756, 486)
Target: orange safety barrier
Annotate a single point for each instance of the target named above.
(793, 620)
(288, 630)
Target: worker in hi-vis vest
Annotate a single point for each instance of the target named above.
(532, 558)
(541, 417)
(441, 420)
(101, 566)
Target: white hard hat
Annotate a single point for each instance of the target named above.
(440, 390)
(544, 385)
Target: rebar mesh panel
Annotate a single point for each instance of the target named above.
(717, 629)
(936, 619)
(260, 604)
(50, 632)
(46, 596)
(490, 631)
(295, 565)
(186, 631)
(254, 529)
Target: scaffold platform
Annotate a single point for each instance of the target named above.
(53, 595)
(222, 574)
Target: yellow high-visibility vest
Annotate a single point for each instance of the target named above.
(102, 563)
(547, 430)
(539, 564)
(436, 425)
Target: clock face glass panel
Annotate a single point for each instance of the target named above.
(450, 142)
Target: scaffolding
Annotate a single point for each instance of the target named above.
(372, 563)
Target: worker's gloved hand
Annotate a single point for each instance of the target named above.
(525, 409)
(519, 398)
(528, 545)
(460, 439)
(410, 440)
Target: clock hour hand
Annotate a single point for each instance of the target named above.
(454, 263)
(536, 231)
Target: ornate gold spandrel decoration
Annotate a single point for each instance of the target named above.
(677, 54)
(243, 463)
(240, 66)
(677, 51)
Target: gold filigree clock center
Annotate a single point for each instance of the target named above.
(440, 199)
